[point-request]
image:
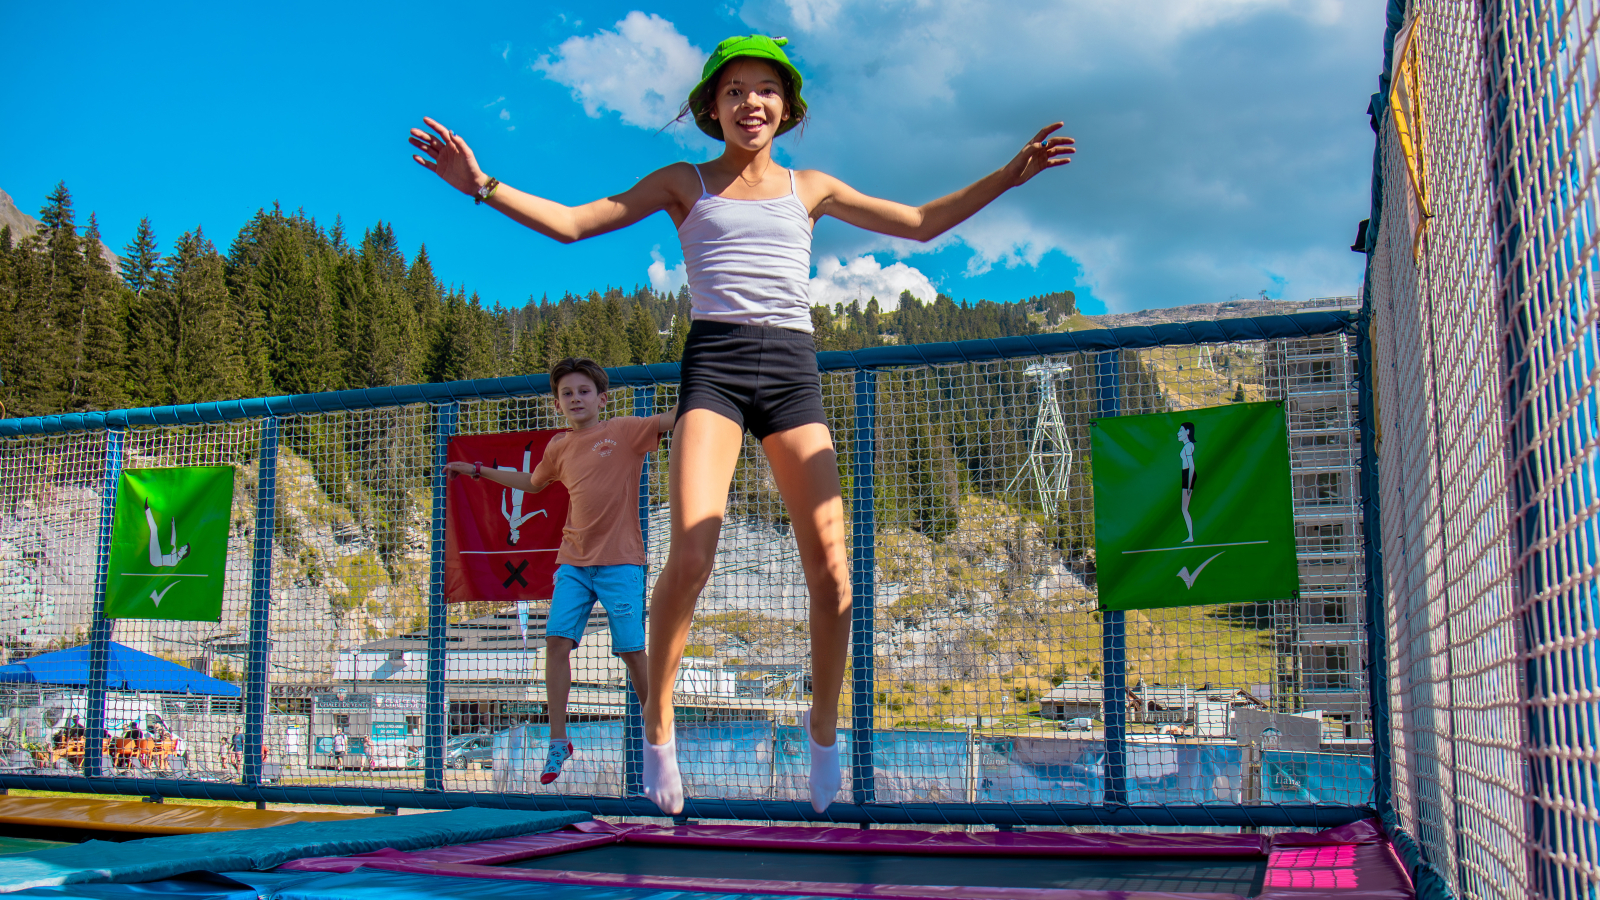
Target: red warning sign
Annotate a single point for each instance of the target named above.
(499, 543)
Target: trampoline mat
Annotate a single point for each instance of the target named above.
(1154, 873)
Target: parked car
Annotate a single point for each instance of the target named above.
(467, 750)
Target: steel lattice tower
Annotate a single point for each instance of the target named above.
(1049, 459)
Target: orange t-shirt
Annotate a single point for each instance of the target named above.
(600, 467)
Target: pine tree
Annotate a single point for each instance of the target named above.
(93, 352)
(355, 326)
(204, 350)
(388, 325)
(644, 343)
(28, 361)
(679, 327)
(297, 309)
(427, 300)
(8, 310)
(141, 259)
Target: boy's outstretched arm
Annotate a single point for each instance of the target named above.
(518, 481)
(665, 421)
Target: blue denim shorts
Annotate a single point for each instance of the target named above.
(620, 589)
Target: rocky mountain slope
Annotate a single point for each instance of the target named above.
(23, 225)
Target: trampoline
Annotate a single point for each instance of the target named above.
(746, 861)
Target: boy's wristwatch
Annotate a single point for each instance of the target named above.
(477, 470)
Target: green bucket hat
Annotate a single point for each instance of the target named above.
(755, 46)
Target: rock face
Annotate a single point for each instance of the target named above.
(1232, 309)
(23, 225)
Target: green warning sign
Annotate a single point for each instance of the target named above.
(1193, 507)
(169, 544)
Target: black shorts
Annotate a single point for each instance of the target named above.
(762, 377)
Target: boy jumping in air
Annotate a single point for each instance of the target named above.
(602, 553)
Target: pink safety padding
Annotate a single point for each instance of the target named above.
(950, 843)
(755, 886)
(1366, 831)
(1330, 871)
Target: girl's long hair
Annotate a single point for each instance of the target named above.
(1188, 426)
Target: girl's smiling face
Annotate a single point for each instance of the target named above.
(749, 103)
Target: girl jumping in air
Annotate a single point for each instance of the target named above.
(750, 362)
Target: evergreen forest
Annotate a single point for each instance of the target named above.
(290, 306)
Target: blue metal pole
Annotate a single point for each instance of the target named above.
(644, 402)
(445, 418)
(863, 563)
(256, 664)
(1377, 620)
(100, 629)
(1113, 627)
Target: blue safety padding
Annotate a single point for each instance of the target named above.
(263, 848)
(1260, 328)
(374, 884)
(362, 884)
(188, 886)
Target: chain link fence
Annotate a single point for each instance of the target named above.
(985, 682)
(1481, 260)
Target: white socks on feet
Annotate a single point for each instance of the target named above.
(662, 786)
(825, 776)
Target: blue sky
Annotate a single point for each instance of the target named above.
(1224, 143)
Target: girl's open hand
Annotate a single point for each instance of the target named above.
(449, 157)
(1043, 152)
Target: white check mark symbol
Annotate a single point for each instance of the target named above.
(157, 598)
(1188, 577)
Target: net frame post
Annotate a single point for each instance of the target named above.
(863, 591)
(446, 416)
(1113, 624)
(100, 628)
(257, 662)
(1373, 593)
(644, 404)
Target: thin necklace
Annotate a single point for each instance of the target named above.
(761, 178)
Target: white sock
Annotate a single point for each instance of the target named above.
(825, 778)
(662, 786)
(559, 742)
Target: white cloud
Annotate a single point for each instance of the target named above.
(863, 278)
(505, 115)
(663, 279)
(1223, 143)
(813, 15)
(642, 71)
(1220, 140)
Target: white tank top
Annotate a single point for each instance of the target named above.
(749, 261)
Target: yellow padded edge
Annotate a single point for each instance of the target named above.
(150, 818)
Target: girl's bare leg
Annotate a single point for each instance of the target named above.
(806, 469)
(705, 448)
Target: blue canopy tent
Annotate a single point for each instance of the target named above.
(126, 670)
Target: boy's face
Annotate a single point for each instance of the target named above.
(578, 400)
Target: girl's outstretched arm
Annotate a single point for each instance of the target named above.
(449, 157)
(833, 197)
